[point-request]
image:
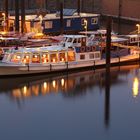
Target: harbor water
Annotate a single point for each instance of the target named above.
(72, 106)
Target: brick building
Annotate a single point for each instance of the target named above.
(53, 5)
(124, 8)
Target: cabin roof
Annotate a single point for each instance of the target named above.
(74, 36)
(53, 16)
(117, 39)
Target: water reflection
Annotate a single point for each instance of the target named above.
(135, 88)
(71, 85)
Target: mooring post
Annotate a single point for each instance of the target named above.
(78, 7)
(108, 41)
(61, 18)
(17, 15)
(6, 15)
(107, 78)
(23, 16)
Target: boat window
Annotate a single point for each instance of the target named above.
(54, 58)
(71, 56)
(79, 40)
(94, 20)
(84, 41)
(82, 56)
(69, 40)
(68, 24)
(62, 57)
(49, 24)
(45, 58)
(75, 40)
(36, 58)
(26, 58)
(97, 55)
(91, 56)
(16, 58)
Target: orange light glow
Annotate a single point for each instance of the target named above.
(135, 87)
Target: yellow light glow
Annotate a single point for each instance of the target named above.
(62, 82)
(44, 55)
(54, 60)
(45, 86)
(54, 83)
(135, 87)
(18, 57)
(25, 91)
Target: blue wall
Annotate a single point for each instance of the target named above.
(75, 25)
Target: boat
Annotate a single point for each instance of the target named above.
(74, 52)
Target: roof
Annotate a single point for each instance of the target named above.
(74, 36)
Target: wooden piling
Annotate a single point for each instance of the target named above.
(107, 78)
(61, 18)
(23, 16)
(6, 15)
(17, 15)
(78, 6)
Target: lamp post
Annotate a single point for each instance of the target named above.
(138, 26)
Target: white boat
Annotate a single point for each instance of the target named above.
(76, 51)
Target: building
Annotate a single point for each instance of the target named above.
(127, 9)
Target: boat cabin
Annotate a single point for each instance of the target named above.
(68, 51)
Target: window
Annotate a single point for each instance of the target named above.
(62, 57)
(45, 58)
(53, 58)
(68, 24)
(36, 58)
(91, 56)
(94, 20)
(97, 55)
(82, 56)
(71, 56)
(16, 58)
(26, 58)
(48, 24)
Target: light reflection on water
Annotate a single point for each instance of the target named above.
(73, 106)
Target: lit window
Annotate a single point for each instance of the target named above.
(71, 56)
(68, 24)
(82, 57)
(16, 58)
(53, 58)
(35, 58)
(94, 20)
(45, 58)
(62, 57)
(48, 24)
(26, 58)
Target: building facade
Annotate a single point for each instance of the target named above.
(128, 9)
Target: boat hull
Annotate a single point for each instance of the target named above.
(19, 70)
